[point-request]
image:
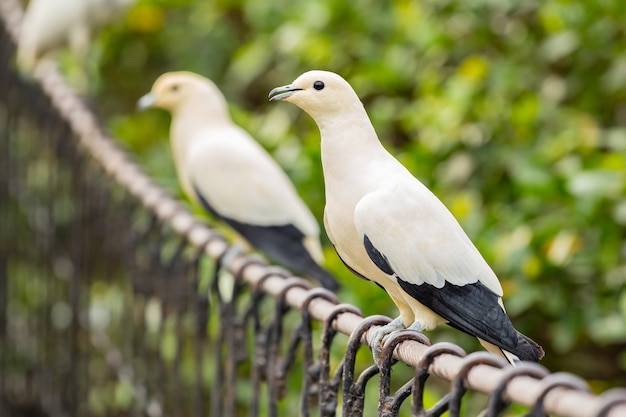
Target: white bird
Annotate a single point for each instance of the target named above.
(389, 228)
(234, 178)
(49, 25)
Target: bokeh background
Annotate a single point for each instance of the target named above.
(513, 113)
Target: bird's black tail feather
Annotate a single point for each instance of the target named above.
(527, 349)
(283, 244)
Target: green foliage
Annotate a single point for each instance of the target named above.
(512, 112)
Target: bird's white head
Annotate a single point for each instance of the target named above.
(320, 94)
(174, 91)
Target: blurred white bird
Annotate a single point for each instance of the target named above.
(389, 228)
(224, 169)
(49, 25)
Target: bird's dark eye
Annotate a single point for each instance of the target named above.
(174, 87)
(318, 85)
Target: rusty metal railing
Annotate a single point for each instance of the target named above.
(165, 336)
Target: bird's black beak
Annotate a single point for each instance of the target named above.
(281, 93)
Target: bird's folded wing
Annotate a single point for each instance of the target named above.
(471, 308)
(241, 182)
(418, 241)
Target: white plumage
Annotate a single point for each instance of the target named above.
(389, 228)
(52, 24)
(223, 168)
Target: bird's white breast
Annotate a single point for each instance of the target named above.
(347, 181)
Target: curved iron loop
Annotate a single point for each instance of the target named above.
(392, 341)
(163, 205)
(249, 260)
(211, 239)
(258, 294)
(280, 367)
(459, 382)
(254, 260)
(422, 374)
(272, 272)
(274, 331)
(496, 403)
(169, 280)
(329, 296)
(328, 331)
(281, 307)
(140, 236)
(389, 347)
(314, 293)
(231, 336)
(166, 208)
(292, 281)
(259, 350)
(199, 297)
(353, 394)
(400, 396)
(364, 377)
(329, 389)
(217, 269)
(183, 222)
(174, 265)
(390, 405)
(142, 233)
(610, 399)
(155, 278)
(311, 374)
(556, 380)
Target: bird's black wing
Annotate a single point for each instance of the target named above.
(283, 244)
(471, 308)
